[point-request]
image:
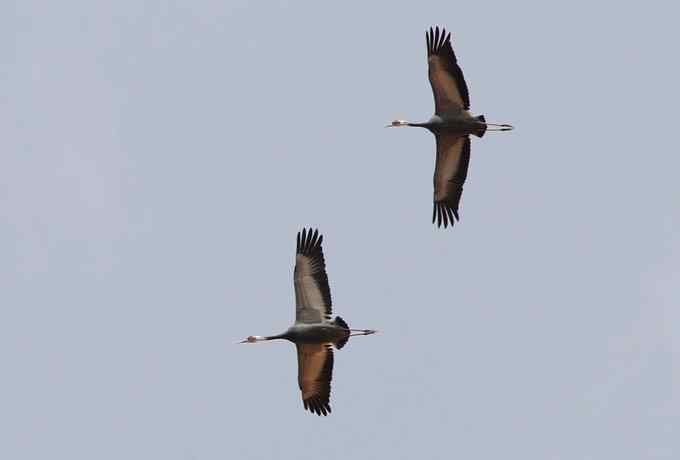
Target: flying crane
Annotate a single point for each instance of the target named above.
(313, 333)
(451, 124)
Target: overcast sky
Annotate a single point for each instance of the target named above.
(157, 159)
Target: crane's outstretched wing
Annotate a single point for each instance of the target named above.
(312, 294)
(446, 78)
(453, 159)
(315, 372)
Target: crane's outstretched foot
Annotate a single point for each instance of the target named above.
(362, 332)
(500, 127)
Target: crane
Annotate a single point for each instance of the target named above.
(451, 124)
(313, 333)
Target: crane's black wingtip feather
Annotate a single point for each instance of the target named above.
(319, 403)
(317, 406)
(309, 241)
(436, 40)
(309, 245)
(440, 45)
(444, 215)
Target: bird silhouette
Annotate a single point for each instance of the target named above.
(313, 333)
(451, 124)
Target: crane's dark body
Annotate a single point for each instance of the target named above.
(457, 123)
(336, 332)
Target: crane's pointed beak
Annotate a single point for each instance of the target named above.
(242, 341)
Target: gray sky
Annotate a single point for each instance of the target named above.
(156, 161)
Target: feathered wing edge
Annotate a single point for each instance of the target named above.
(319, 403)
(446, 210)
(440, 45)
(309, 245)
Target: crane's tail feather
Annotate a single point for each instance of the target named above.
(482, 129)
(341, 323)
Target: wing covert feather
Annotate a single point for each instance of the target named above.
(446, 77)
(451, 167)
(312, 293)
(315, 372)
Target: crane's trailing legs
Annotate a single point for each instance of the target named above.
(362, 332)
(501, 127)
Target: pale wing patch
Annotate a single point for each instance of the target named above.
(314, 361)
(444, 86)
(309, 298)
(448, 162)
(453, 160)
(315, 372)
(312, 292)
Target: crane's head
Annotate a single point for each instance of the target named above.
(253, 339)
(397, 123)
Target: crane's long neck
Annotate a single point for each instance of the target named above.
(259, 338)
(402, 123)
(277, 336)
